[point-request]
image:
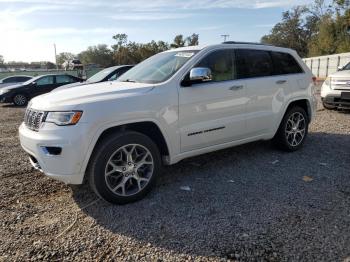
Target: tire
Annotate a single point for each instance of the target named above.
(328, 107)
(116, 172)
(20, 100)
(289, 136)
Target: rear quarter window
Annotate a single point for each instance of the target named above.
(285, 63)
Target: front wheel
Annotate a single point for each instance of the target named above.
(293, 130)
(124, 167)
(20, 100)
(328, 107)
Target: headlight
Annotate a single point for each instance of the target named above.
(3, 91)
(64, 118)
(328, 81)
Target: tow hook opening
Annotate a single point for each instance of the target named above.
(52, 150)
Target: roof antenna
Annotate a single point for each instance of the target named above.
(225, 37)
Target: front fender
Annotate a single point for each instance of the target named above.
(97, 134)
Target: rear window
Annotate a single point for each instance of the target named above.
(10, 80)
(285, 64)
(253, 63)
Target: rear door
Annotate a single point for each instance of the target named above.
(212, 113)
(63, 80)
(265, 90)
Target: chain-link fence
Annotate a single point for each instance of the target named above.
(323, 66)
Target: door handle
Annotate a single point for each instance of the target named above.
(234, 88)
(280, 82)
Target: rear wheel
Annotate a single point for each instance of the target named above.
(124, 167)
(20, 100)
(293, 130)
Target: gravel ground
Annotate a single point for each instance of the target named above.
(248, 203)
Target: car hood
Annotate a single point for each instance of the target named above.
(3, 85)
(11, 87)
(345, 73)
(71, 85)
(72, 98)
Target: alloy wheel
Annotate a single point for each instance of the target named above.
(295, 129)
(129, 170)
(20, 100)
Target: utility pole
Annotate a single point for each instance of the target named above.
(54, 45)
(225, 37)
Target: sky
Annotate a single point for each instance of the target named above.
(30, 28)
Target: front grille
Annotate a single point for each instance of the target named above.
(33, 119)
(340, 83)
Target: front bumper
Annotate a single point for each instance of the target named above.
(337, 101)
(5, 98)
(65, 166)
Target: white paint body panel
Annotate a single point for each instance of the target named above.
(250, 113)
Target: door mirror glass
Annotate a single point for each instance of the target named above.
(200, 74)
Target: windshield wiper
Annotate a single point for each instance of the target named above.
(129, 80)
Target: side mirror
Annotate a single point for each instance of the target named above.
(33, 83)
(340, 68)
(200, 74)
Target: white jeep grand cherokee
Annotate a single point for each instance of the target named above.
(176, 104)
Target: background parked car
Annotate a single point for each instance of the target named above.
(72, 65)
(22, 93)
(335, 91)
(13, 80)
(108, 74)
(346, 67)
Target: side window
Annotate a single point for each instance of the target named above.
(63, 79)
(220, 63)
(253, 63)
(46, 80)
(285, 64)
(22, 78)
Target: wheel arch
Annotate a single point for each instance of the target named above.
(302, 102)
(147, 127)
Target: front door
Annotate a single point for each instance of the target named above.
(43, 85)
(212, 113)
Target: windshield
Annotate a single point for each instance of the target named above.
(158, 68)
(347, 67)
(100, 75)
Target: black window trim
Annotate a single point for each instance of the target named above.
(235, 65)
(206, 55)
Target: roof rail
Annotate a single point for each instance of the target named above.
(244, 43)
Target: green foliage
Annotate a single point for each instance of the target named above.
(125, 52)
(314, 30)
(179, 41)
(100, 54)
(291, 32)
(63, 57)
(193, 40)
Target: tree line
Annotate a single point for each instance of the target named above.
(122, 52)
(125, 51)
(314, 30)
